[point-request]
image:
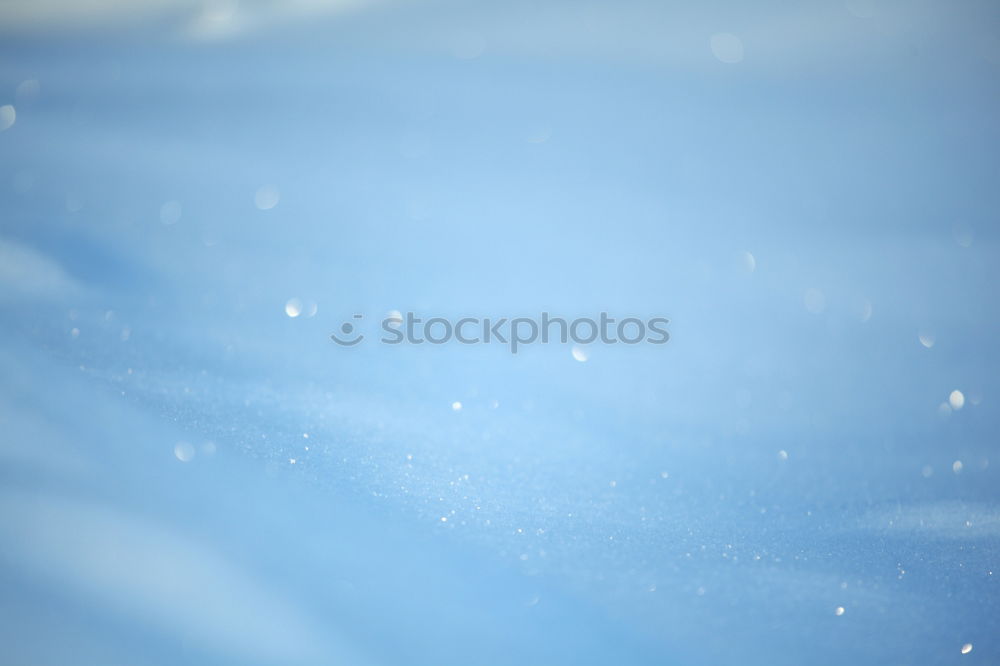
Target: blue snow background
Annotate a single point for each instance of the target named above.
(808, 190)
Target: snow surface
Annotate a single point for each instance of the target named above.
(188, 474)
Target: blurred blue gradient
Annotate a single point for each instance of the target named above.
(805, 473)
